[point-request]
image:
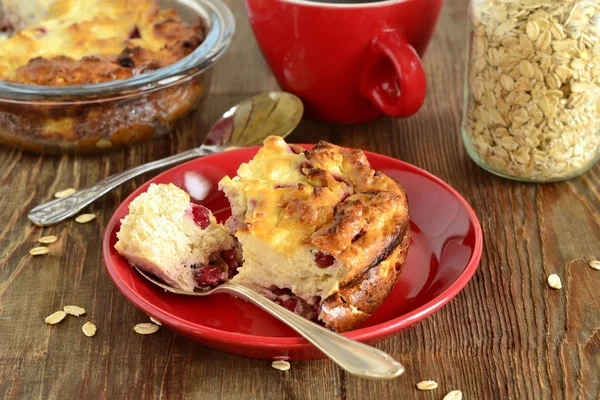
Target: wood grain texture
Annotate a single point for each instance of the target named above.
(505, 336)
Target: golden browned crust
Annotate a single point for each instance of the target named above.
(357, 300)
(63, 70)
(370, 233)
(365, 224)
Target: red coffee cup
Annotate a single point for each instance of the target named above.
(348, 62)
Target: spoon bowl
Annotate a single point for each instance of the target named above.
(356, 358)
(251, 121)
(246, 124)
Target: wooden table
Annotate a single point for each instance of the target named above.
(506, 335)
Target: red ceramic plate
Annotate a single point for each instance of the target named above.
(445, 249)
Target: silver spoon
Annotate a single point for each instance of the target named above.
(356, 358)
(246, 124)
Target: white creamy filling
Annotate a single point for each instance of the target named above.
(265, 267)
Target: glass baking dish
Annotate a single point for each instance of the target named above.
(104, 116)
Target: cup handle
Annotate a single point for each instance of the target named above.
(392, 76)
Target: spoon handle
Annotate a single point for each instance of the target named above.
(58, 210)
(356, 358)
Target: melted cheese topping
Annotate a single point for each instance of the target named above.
(276, 187)
(76, 29)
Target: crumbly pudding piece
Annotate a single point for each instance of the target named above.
(321, 232)
(178, 241)
(91, 41)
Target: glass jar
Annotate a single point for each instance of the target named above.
(532, 89)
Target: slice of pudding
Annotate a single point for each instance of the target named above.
(321, 232)
(178, 241)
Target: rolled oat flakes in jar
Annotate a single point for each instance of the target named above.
(532, 98)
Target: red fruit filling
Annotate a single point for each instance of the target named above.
(324, 260)
(201, 216)
(125, 61)
(210, 275)
(135, 33)
(359, 235)
(287, 299)
(277, 291)
(233, 259)
(216, 273)
(291, 303)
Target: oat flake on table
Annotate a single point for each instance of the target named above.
(595, 264)
(427, 385)
(56, 317)
(146, 328)
(85, 218)
(38, 251)
(453, 395)
(48, 239)
(74, 310)
(89, 329)
(281, 365)
(554, 281)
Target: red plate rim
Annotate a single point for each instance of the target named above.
(364, 334)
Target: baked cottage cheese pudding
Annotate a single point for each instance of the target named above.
(61, 43)
(321, 233)
(178, 241)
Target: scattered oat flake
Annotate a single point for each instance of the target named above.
(281, 365)
(74, 310)
(157, 322)
(38, 251)
(427, 385)
(554, 281)
(83, 218)
(56, 317)
(595, 264)
(48, 239)
(453, 395)
(145, 328)
(64, 193)
(89, 329)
